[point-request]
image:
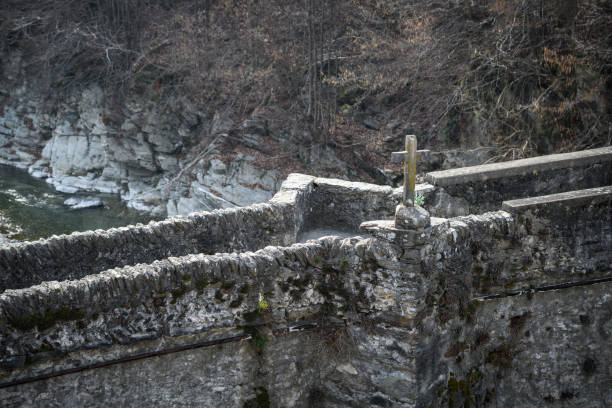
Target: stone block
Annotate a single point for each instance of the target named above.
(415, 217)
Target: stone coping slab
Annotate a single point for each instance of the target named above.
(520, 167)
(568, 199)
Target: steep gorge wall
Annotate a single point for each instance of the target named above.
(136, 150)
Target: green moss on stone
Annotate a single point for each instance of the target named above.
(261, 400)
(177, 293)
(201, 283)
(258, 339)
(251, 316)
(328, 308)
(218, 295)
(227, 285)
(46, 320)
(460, 392)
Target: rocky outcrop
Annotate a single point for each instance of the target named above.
(80, 203)
(138, 152)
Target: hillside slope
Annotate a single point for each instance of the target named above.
(146, 97)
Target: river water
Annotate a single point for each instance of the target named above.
(32, 209)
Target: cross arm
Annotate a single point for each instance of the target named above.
(398, 157)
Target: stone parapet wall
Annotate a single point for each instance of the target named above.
(547, 244)
(561, 161)
(513, 307)
(517, 306)
(341, 203)
(552, 242)
(169, 298)
(471, 310)
(343, 288)
(83, 253)
(298, 203)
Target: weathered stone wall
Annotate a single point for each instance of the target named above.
(125, 312)
(337, 287)
(541, 349)
(233, 374)
(298, 204)
(502, 309)
(344, 204)
(229, 230)
(83, 253)
(517, 307)
(546, 244)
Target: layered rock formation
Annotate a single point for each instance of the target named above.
(158, 155)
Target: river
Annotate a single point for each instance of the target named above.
(31, 209)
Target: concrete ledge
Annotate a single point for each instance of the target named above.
(520, 167)
(568, 199)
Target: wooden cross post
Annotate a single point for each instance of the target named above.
(409, 170)
(409, 156)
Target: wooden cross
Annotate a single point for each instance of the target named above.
(409, 156)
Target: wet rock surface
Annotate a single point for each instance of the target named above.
(79, 203)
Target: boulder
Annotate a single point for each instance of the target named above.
(415, 217)
(79, 203)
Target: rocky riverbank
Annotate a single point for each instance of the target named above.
(31, 209)
(159, 157)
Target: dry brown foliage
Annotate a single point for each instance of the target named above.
(533, 77)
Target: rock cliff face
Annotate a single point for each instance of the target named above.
(158, 155)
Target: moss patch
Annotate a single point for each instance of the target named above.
(461, 392)
(227, 285)
(46, 320)
(261, 400)
(219, 295)
(251, 316)
(501, 356)
(258, 339)
(177, 293)
(201, 283)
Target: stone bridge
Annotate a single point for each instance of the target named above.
(499, 296)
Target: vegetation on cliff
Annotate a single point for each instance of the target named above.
(355, 75)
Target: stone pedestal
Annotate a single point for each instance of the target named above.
(410, 218)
